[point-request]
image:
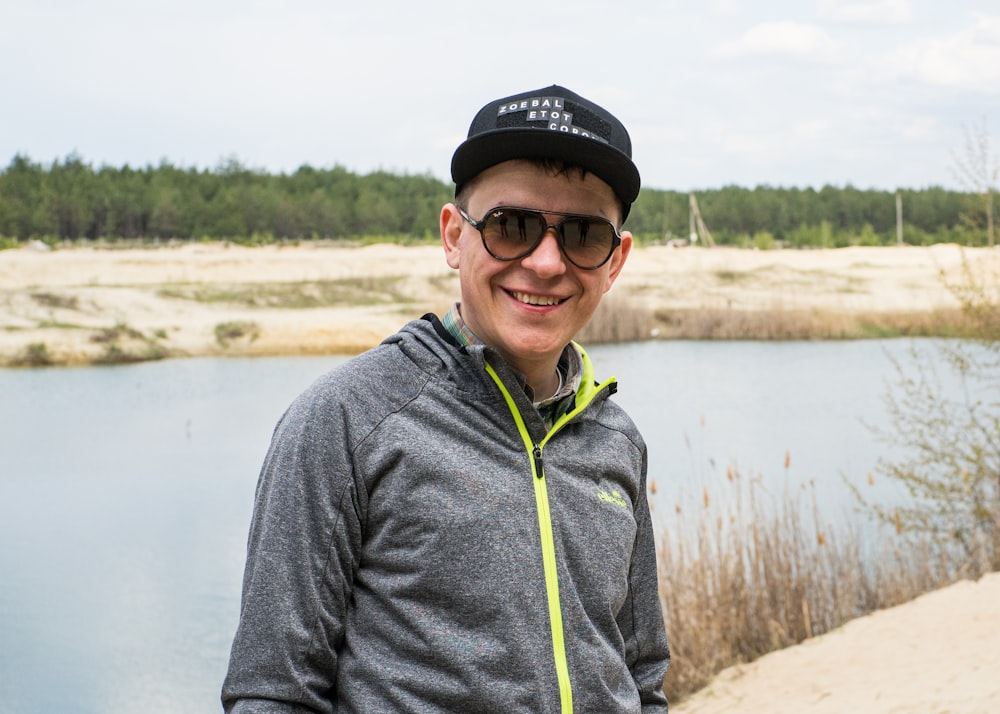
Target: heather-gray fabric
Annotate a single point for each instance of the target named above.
(394, 561)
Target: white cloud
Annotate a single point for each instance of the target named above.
(726, 8)
(782, 39)
(780, 143)
(810, 130)
(882, 12)
(967, 60)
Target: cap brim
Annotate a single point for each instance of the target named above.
(493, 147)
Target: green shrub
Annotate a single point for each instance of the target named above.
(34, 355)
(226, 332)
(764, 240)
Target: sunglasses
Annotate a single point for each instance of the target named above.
(512, 233)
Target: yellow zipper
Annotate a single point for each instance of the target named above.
(545, 518)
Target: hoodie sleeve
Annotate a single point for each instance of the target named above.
(646, 647)
(302, 554)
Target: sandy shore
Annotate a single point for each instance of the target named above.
(213, 299)
(939, 653)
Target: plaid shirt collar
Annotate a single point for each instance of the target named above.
(570, 366)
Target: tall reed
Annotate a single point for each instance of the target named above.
(781, 323)
(750, 572)
(620, 320)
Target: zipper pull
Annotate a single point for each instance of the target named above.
(539, 468)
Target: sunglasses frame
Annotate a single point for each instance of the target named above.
(557, 227)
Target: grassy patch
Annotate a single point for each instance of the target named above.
(373, 290)
(124, 345)
(34, 355)
(115, 354)
(54, 301)
(112, 334)
(227, 332)
(59, 325)
(731, 277)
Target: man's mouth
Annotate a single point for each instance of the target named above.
(530, 299)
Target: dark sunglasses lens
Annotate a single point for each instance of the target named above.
(510, 233)
(588, 241)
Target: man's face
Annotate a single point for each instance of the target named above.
(529, 309)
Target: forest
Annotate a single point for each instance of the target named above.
(71, 200)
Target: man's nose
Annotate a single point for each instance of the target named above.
(547, 258)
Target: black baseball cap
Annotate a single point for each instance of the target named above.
(550, 123)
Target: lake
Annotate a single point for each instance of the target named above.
(126, 492)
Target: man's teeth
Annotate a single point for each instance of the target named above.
(535, 299)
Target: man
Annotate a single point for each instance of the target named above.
(456, 521)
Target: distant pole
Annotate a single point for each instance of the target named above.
(899, 218)
(666, 223)
(692, 230)
(699, 231)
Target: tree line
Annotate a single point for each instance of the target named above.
(72, 200)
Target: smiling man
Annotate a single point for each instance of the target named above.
(456, 521)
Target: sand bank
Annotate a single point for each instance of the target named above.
(938, 653)
(216, 299)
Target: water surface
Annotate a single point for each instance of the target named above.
(126, 492)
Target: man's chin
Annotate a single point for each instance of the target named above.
(523, 347)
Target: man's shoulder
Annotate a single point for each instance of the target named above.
(402, 364)
(386, 367)
(612, 415)
(356, 395)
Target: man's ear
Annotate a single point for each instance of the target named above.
(618, 259)
(451, 234)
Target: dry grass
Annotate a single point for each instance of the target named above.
(227, 332)
(794, 324)
(618, 320)
(299, 295)
(748, 574)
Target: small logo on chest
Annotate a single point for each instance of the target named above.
(614, 498)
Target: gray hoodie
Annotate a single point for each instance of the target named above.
(421, 543)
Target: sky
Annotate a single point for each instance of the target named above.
(792, 93)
